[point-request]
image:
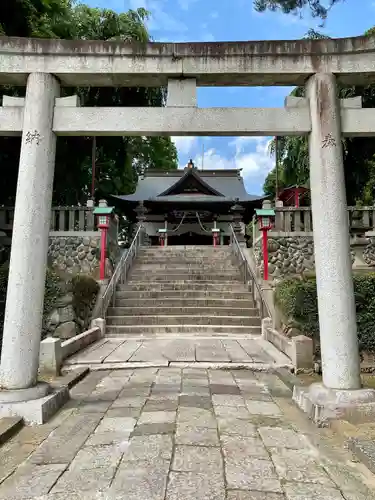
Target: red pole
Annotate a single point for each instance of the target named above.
(265, 254)
(102, 253)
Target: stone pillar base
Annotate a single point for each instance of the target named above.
(323, 404)
(37, 406)
(20, 395)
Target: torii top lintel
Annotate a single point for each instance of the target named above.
(253, 63)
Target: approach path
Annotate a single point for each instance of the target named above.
(171, 434)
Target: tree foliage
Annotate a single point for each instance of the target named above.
(318, 8)
(119, 159)
(358, 152)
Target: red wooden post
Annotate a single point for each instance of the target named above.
(265, 254)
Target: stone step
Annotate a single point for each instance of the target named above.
(168, 302)
(161, 320)
(180, 330)
(164, 254)
(181, 294)
(186, 261)
(180, 311)
(225, 273)
(180, 264)
(184, 277)
(182, 285)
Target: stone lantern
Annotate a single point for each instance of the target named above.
(237, 218)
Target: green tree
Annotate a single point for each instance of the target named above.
(119, 159)
(318, 8)
(358, 152)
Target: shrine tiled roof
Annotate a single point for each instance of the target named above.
(226, 186)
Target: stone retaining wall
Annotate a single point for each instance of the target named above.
(291, 255)
(74, 254)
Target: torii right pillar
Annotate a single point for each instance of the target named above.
(341, 386)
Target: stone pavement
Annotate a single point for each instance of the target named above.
(164, 351)
(173, 434)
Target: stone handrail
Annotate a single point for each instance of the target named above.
(72, 218)
(299, 220)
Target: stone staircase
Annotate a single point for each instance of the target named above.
(183, 291)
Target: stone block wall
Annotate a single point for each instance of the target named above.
(75, 254)
(291, 255)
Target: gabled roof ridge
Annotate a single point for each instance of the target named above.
(194, 173)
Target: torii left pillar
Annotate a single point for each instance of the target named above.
(28, 261)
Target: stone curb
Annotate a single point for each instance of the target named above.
(70, 379)
(8, 427)
(364, 450)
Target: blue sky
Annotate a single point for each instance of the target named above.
(235, 20)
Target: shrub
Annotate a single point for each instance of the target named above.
(84, 289)
(297, 300)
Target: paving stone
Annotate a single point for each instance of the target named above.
(195, 390)
(351, 495)
(141, 481)
(133, 391)
(94, 407)
(263, 408)
(132, 402)
(157, 417)
(104, 395)
(299, 465)
(239, 447)
(257, 396)
(269, 421)
(197, 458)
(164, 397)
(240, 412)
(123, 412)
(63, 443)
(84, 480)
(277, 437)
(299, 491)
(92, 457)
(30, 481)
(345, 479)
(193, 485)
(251, 474)
(227, 400)
(148, 448)
(236, 426)
(12, 454)
(109, 438)
(254, 495)
(155, 405)
(196, 417)
(225, 389)
(149, 429)
(116, 424)
(200, 436)
(166, 388)
(196, 401)
(34, 435)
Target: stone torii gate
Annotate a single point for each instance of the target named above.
(43, 66)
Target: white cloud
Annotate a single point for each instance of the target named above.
(184, 144)
(186, 4)
(254, 164)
